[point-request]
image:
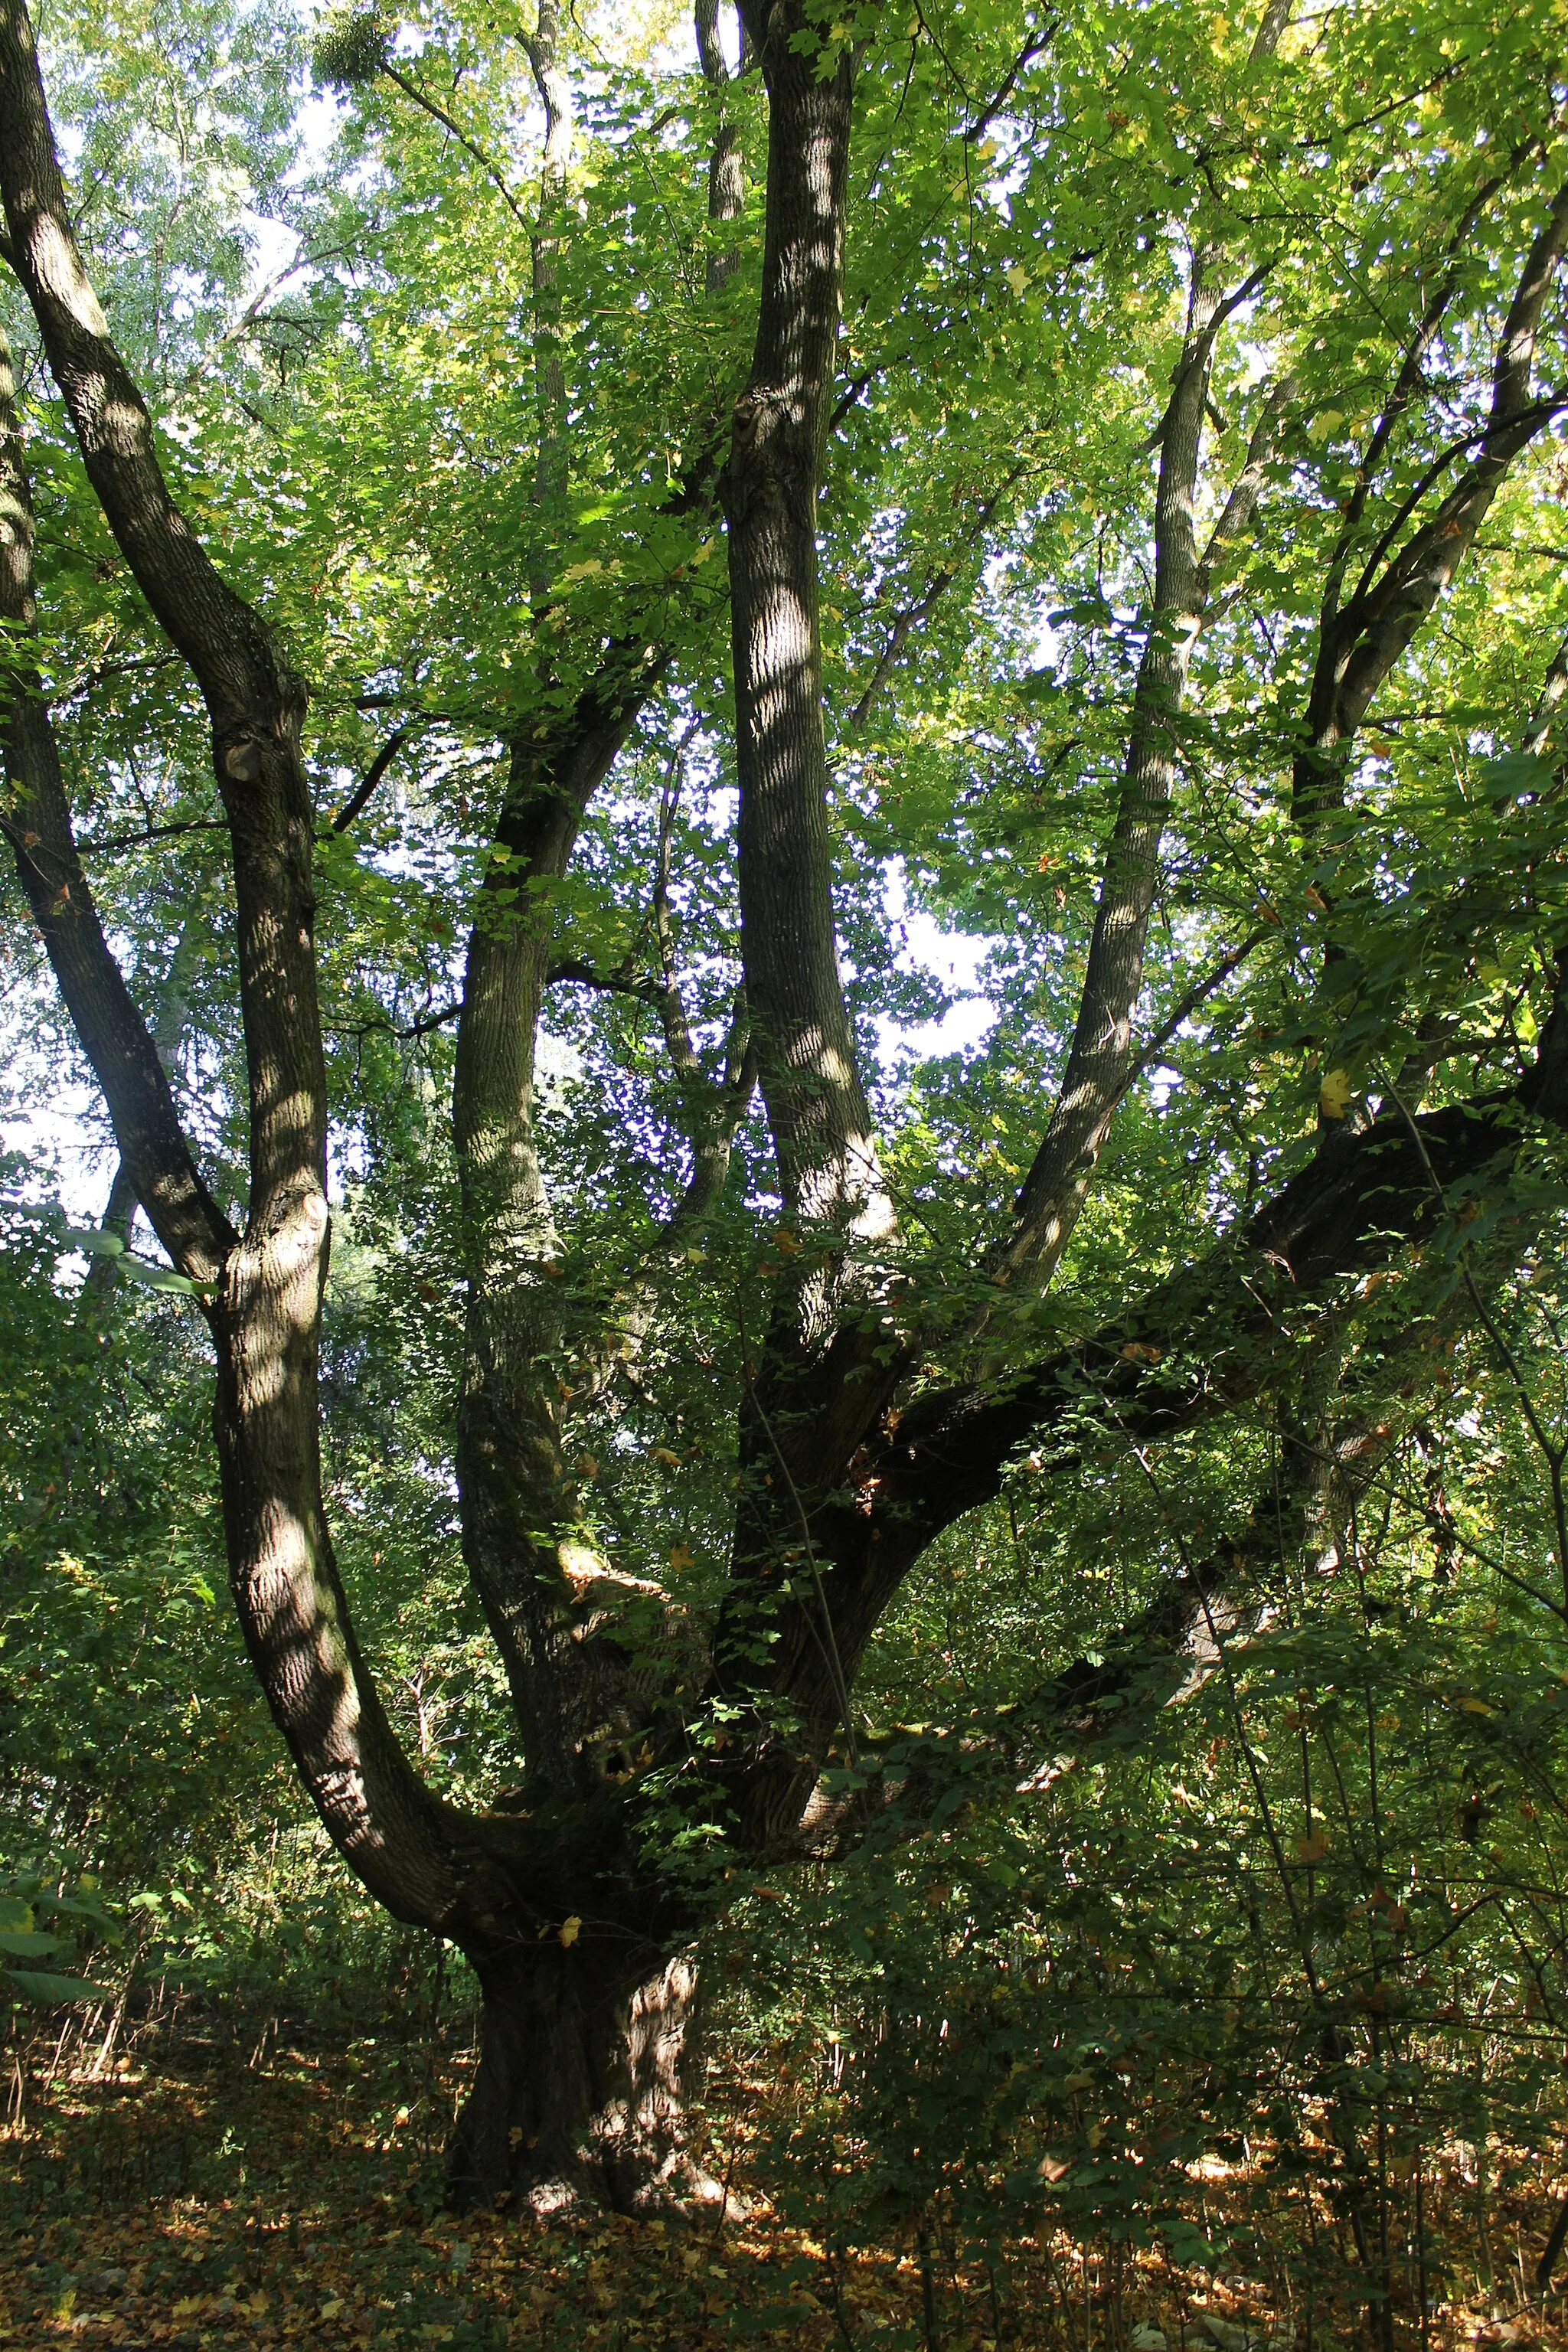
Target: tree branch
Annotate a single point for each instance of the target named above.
(158, 1158)
(1405, 385)
(817, 1106)
(1553, 688)
(1096, 1080)
(438, 113)
(1032, 48)
(264, 1313)
(906, 622)
(1360, 643)
(116, 841)
(726, 165)
(362, 792)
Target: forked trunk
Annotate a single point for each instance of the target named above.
(581, 2093)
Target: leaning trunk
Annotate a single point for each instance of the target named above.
(580, 2094)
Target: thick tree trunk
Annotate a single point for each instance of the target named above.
(580, 2094)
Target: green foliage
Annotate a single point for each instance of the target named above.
(349, 48)
(26, 1946)
(1305, 1913)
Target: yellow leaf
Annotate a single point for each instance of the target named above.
(662, 1454)
(680, 1556)
(332, 2307)
(1334, 1094)
(570, 1931)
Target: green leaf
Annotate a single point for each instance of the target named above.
(42, 1986)
(95, 1241)
(159, 1277)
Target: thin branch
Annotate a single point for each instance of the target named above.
(372, 777)
(1188, 1004)
(1405, 385)
(439, 114)
(571, 970)
(421, 1028)
(848, 398)
(1025, 56)
(1198, 355)
(152, 833)
(906, 622)
(132, 666)
(1539, 412)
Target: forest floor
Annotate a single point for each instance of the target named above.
(204, 2201)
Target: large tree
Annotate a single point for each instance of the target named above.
(1171, 403)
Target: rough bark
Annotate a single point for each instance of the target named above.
(726, 165)
(582, 2088)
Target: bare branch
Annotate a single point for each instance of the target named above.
(117, 841)
(378, 766)
(438, 113)
(1035, 47)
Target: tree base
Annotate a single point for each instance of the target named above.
(580, 2097)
